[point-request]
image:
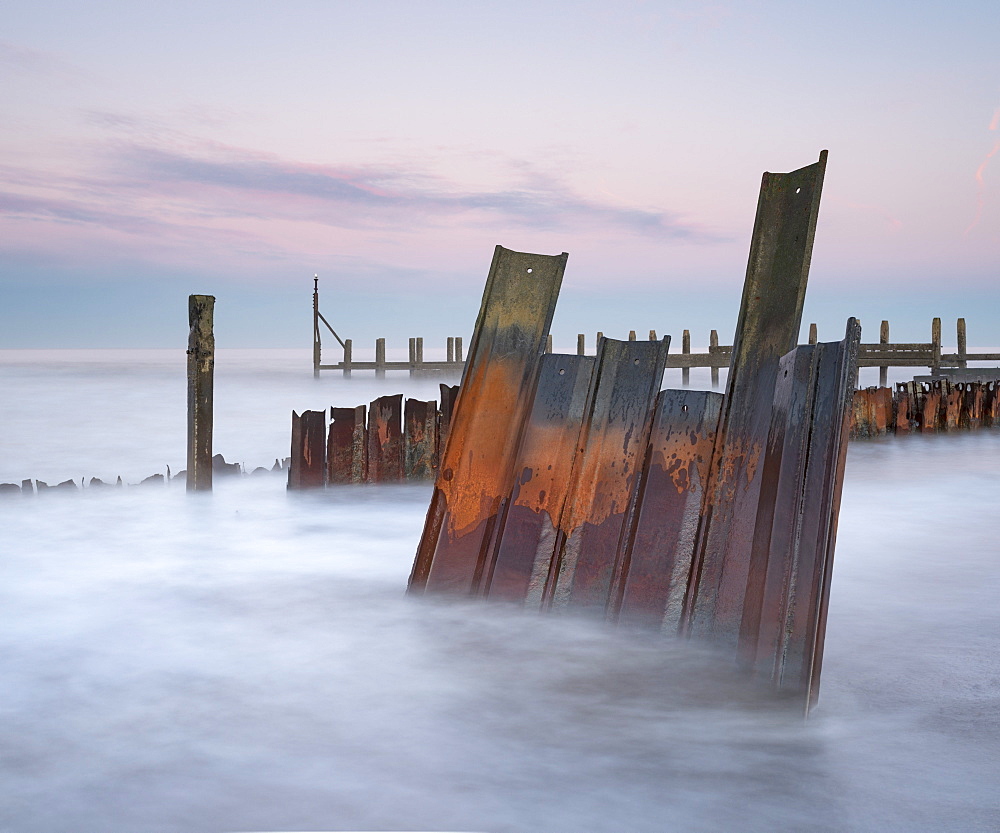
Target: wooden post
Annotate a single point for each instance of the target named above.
(963, 348)
(348, 355)
(548, 343)
(412, 355)
(419, 355)
(380, 358)
(883, 371)
(686, 349)
(458, 349)
(316, 338)
(450, 355)
(936, 346)
(813, 335)
(581, 344)
(600, 335)
(631, 335)
(652, 335)
(201, 374)
(713, 344)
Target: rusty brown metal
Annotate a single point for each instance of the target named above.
(529, 536)
(307, 469)
(420, 432)
(609, 460)
(475, 472)
(385, 439)
(347, 447)
(767, 329)
(655, 578)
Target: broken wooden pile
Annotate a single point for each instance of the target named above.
(575, 483)
(926, 407)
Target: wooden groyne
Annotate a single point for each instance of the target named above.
(925, 407)
(882, 354)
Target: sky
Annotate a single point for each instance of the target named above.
(153, 150)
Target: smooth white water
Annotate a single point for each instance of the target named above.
(247, 660)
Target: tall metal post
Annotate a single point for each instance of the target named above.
(201, 373)
(316, 341)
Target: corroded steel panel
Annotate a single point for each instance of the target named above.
(529, 535)
(476, 470)
(767, 328)
(784, 616)
(449, 393)
(606, 471)
(655, 577)
(307, 469)
(385, 439)
(952, 402)
(971, 413)
(347, 447)
(420, 430)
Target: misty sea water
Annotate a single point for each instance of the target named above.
(248, 660)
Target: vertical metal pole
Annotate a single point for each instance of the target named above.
(686, 350)
(201, 373)
(963, 348)
(883, 370)
(713, 344)
(380, 358)
(316, 339)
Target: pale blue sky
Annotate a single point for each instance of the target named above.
(155, 150)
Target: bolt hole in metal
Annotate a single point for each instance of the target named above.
(797, 191)
(529, 271)
(684, 407)
(635, 362)
(562, 371)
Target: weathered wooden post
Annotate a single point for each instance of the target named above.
(883, 371)
(631, 335)
(458, 349)
(652, 335)
(316, 340)
(548, 343)
(963, 349)
(936, 346)
(380, 358)
(450, 354)
(201, 373)
(581, 344)
(412, 358)
(686, 350)
(348, 356)
(713, 344)
(813, 334)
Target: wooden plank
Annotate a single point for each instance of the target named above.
(528, 539)
(420, 431)
(767, 329)
(385, 439)
(655, 576)
(476, 470)
(606, 472)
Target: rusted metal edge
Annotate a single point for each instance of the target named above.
(476, 467)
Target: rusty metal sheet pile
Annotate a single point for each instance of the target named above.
(924, 406)
(575, 483)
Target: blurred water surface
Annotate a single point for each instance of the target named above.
(247, 660)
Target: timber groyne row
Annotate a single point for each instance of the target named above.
(925, 407)
(219, 466)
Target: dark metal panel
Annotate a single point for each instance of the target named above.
(420, 430)
(307, 469)
(658, 566)
(346, 448)
(528, 538)
(606, 471)
(784, 618)
(449, 393)
(768, 326)
(476, 470)
(385, 439)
